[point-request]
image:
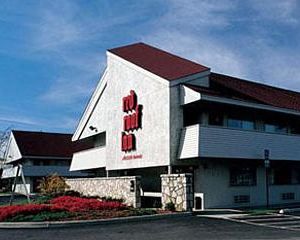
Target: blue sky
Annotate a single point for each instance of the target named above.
(52, 53)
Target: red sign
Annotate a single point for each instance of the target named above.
(131, 121)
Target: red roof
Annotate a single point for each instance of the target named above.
(253, 91)
(45, 144)
(157, 61)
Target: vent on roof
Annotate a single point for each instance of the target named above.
(241, 199)
(288, 196)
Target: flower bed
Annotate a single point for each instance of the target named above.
(68, 208)
(76, 204)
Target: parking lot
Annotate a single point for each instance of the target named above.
(289, 222)
(191, 227)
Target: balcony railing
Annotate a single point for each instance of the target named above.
(88, 159)
(219, 142)
(41, 171)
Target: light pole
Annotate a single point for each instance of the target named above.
(267, 166)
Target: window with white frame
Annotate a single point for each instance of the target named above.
(242, 176)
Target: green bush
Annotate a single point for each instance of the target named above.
(72, 193)
(111, 199)
(53, 186)
(144, 211)
(41, 216)
(42, 199)
(170, 206)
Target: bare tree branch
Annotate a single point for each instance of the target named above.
(4, 137)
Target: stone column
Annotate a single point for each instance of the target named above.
(177, 189)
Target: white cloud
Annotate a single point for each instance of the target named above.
(196, 13)
(186, 30)
(203, 50)
(197, 30)
(67, 91)
(17, 119)
(282, 11)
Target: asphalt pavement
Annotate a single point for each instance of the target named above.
(290, 222)
(191, 227)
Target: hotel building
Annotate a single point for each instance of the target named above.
(155, 113)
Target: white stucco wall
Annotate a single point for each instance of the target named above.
(152, 140)
(153, 93)
(214, 182)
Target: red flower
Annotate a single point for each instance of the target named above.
(11, 211)
(75, 204)
(65, 203)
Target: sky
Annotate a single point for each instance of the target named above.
(52, 52)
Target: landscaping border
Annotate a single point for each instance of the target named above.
(76, 223)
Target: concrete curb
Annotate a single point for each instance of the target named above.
(75, 223)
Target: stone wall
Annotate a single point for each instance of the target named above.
(127, 188)
(178, 189)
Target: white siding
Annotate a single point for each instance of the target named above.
(9, 172)
(218, 142)
(188, 95)
(13, 152)
(189, 142)
(232, 143)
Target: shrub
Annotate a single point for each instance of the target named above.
(42, 199)
(170, 206)
(41, 216)
(75, 204)
(111, 199)
(144, 211)
(28, 209)
(53, 185)
(72, 193)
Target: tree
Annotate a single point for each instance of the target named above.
(4, 137)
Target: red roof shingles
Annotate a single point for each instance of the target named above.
(265, 94)
(172, 67)
(46, 144)
(159, 62)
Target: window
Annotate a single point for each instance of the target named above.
(241, 199)
(272, 128)
(281, 176)
(295, 130)
(215, 119)
(100, 139)
(243, 176)
(288, 196)
(243, 124)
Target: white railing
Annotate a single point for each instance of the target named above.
(41, 171)
(87, 159)
(219, 142)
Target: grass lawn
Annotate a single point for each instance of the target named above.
(261, 211)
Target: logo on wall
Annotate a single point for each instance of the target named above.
(132, 121)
